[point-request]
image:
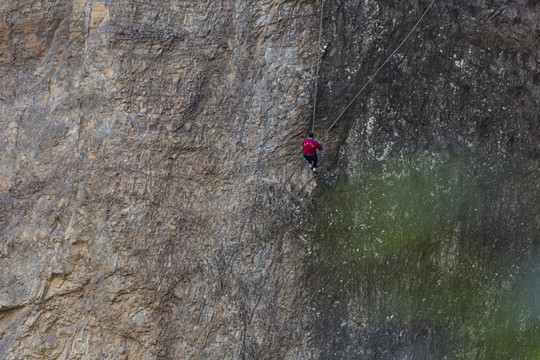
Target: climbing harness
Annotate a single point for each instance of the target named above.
(370, 78)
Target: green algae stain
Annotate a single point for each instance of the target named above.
(430, 239)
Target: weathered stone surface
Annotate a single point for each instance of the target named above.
(467, 78)
(467, 74)
(150, 183)
(146, 177)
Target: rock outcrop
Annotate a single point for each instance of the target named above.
(463, 88)
(151, 186)
(468, 73)
(147, 168)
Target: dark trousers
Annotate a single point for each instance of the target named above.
(311, 159)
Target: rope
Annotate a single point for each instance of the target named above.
(318, 67)
(379, 69)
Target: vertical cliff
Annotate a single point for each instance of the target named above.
(468, 73)
(151, 186)
(429, 246)
(146, 171)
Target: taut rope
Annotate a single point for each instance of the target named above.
(318, 67)
(375, 74)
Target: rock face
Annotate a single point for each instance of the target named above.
(466, 78)
(146, 177)
(467, 74)
(151, 186)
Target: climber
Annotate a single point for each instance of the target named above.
(310, 151)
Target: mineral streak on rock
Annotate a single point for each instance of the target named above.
(150, 183)
(467, 78)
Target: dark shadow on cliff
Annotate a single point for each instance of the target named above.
(428, 254)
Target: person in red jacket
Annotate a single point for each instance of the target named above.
(310, 151)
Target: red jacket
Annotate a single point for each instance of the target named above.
(311, 146)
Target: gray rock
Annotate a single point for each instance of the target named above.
(152, 192)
